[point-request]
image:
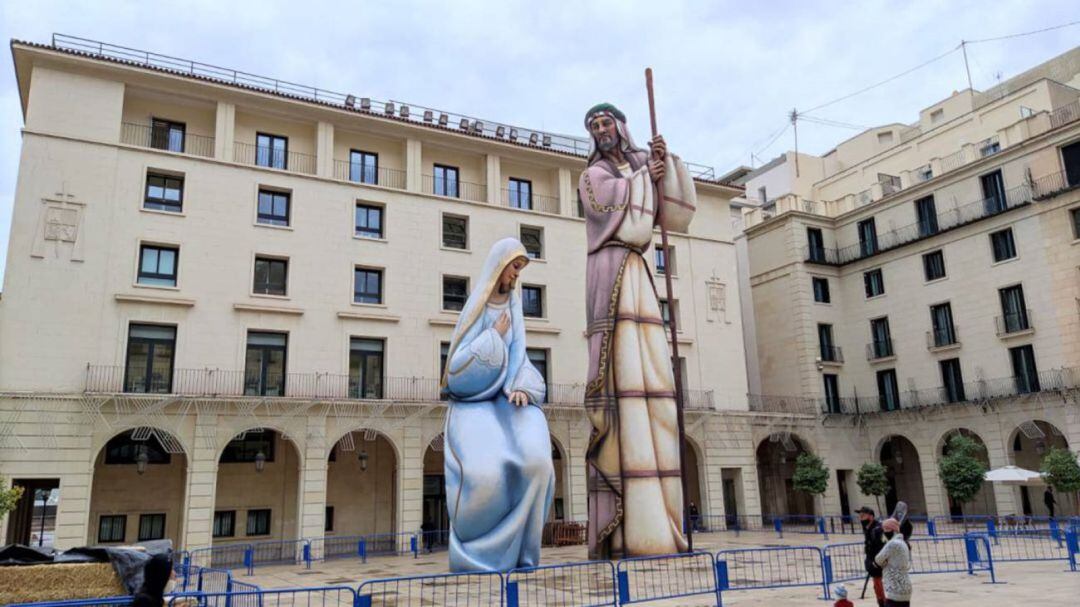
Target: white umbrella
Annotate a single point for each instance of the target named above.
(1011, 475)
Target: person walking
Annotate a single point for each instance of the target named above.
(895, 561)
(873, 542)
(1048, 499)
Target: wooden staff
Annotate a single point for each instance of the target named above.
(688, 524)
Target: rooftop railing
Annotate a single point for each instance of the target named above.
(272, 158)
(358, 173)
(145, 135)
(1065, 114)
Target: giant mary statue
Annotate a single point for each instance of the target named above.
(499, 475)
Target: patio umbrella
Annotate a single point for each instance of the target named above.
(1011, 475)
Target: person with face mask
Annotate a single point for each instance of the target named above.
(873, 542)
(895, 561)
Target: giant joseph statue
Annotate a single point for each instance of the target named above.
(634, 472)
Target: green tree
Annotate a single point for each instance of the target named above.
(872, 480)
(961, 469)
(1061, 470)
(811, 474)
(9, 498)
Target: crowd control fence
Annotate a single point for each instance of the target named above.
(588, 584)
(448, 590)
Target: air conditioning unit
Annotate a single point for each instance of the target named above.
(500, 131)
(513, 134)
(350, 101)
(389, 108)
(365, 103)
(547, 141)
(428, 116)
(478, 127)
(464, 124)
(404, 111)
(533, 138)
(443, 119)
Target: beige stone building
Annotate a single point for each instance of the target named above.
(227, 297)
(921, 280)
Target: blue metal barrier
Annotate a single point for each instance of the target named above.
(390, 544)
(961, 524)
(655, 578)
(434, 541)
(324, 596)
(480, 589)
(104, 602)
(943, 554)
(588, 584)
(1032, 545)
(1072, 544)
(276, 552)
(222, 556)
(760, 568)
(797, 523)
(213, 580)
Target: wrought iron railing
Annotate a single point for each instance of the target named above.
(453, 188)
(1065, 114)
(1014, 322)
(952, 161)
(530, 201)
(269, 157)
(145, 135)
(830, 353)
(1053, 184)
(879, 348)
(358, 173)
(941, 338)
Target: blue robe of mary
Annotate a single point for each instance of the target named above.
(499, 475)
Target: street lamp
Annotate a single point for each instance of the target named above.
(363, 457)
(260, 461)
(141, 460)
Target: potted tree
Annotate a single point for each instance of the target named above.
(961, 469)
(872, 480)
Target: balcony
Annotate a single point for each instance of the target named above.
(942, 339)
(831, 354)
(516, 199)
(146, 136)
(273, 158)
(1053, 184)
(1014, 323)
(451, 188)
(786, 404)
(357, 173)
(1065, 114)
(879, 350)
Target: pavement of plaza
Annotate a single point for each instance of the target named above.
(1038, 583)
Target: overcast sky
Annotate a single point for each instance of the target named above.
(727, 73)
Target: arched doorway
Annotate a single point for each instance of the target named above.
(983, 503)
(1028, 444)
(904, 471)
(559, 502)
(258, 493)
(361, 485)
(434, 514)
(776, 457)
(693, 478)
(138, 490)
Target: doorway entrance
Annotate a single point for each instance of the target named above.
(33, 522)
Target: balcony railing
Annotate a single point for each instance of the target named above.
(1065, 114)
(946, 220)
(785, 404)
(952, 161)
(358, 173)
(452, 188)
(532, 202)
(266, 156)
(831, 354)
(1054, 380)
(1014, 322)
(941, 338)
(879, 349)
(144, 135)
(1053, 184)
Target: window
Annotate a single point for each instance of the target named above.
(924, 173)
(329, 525)
(258, 522)
(868, 244)
(993, 188)
(112, 528)
(151, 527)
(271, 276)
(446, 181)
(1024, 370)
(244, 449)
(881, 338)
(167, 135)
(539, 359)
(123, 449)
(444, 351)
(273, 208)
(1070, 157)
(455, 232)
(829, 351)
(933, 265)
(944, 333)
(1014, 313)
(164, 192)
(815, 245)
(369, 221)
(1074, 215)
(366, 364)
(532, 301)
(149, 364)
(937, 116)
(1003, 245)
(224, 523)
(157, 265)
(533, 239)
(367, 286)
(821, 289)
(455, 290)
(952, 379)
(989, 147)
(271, 151)
(874, 283)
(888, 391)
(832, 393)
(762, 194)
(667, 309)
(520, 193)
(926, 212)
(264, 364)
(363, 167)
(884, 137)
(665, 260)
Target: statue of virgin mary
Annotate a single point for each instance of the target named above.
(499, 474)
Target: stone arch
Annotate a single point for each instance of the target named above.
(903, 467)
(253, 505)
(775, 456)
(1028, 443)
(560, 458)
(433, 514)
(984, 502)
(695, 462)
(133, 500)
(362, 480)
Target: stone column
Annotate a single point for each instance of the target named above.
(577, 475)
(311, 520)
(411, 480)
(567, 196)
(224, 131)
(201, 489)
(494, 179)
(324, 150)
(414, 167)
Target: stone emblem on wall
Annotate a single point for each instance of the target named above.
(717, 295)
(59, 226)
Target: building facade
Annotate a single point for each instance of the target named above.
(228, 298)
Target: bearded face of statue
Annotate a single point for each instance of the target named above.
(605, 133)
